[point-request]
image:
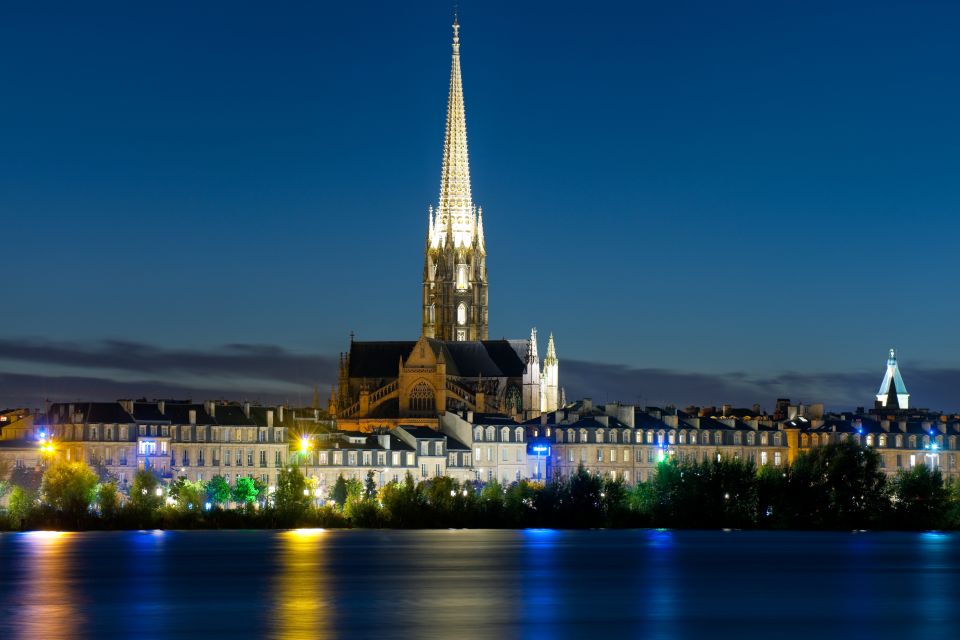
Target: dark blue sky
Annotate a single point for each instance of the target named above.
(763, 189)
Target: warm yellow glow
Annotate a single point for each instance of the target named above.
(301, 594)
(304, 443)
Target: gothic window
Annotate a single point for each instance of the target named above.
(461, 277)
(431, 314)
(421, 398)
(462, 314)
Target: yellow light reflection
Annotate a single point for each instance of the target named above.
(50, 604)
(301, 590)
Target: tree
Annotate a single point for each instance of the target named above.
(69, 487)
(245, 491)
(189, 495)
(108, 497)
(292, 497)
(20, 507)
(27, 479)
(218, 491)
(339, 492)
(920, 500)
(370, 486)
(143, 492)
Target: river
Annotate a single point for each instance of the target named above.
(479, 584)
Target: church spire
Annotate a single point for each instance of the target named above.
(893, 386)
(456, 201)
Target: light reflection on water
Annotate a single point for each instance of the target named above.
(300, 593)
(47, 604)
(440, 584)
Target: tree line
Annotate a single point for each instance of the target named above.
(840, 486)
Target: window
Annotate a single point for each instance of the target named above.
(423, 470)
(462, 274)
(239, 457)
(913, 460)
(869, 439)
(613, 455)
(599, 454)
(650, 455)
(226, 457)
(352, 458)
(519, 434)
(123, 433)
(367, 458)
(438, 448)
(421, 397)
(570, 454)
(437, 471)
(424, 448)
(599, 435)
(263, 458)
(476, 453)
(883, 440)
(489, 454)
(626, 455)
(519, 454)
(763, 457)
(503, 454)
(395, 459)
(249, 457)
(452, 460)
(478, 434)
(899, 460)
(337, 458)
(409, 458)
(324, 457)
(461, 314)
(93, 433)
(277, 459)
(200, 461)
(776, 458)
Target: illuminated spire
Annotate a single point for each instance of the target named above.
(456, 203)
(893, 385)
(551, 352)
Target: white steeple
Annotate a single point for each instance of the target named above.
(892, 385)
(455, 212)
(531, 378)
(550, 382)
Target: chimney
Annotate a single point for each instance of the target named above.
(587, 404)
(280, 413)
(384, 439)
(470, 417)
(269, 417)
(726, 410)
(161, 406)
(246, 409)
(543, 418)
(212, 408)
(604, 420)
(192, 413)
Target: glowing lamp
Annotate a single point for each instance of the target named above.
(159, 491)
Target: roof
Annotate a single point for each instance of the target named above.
(423, 433)
(90, 412)
(455, 445)
(469, 359)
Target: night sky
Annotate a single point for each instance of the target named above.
(705, 202)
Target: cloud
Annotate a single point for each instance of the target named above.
(251, 361)
(32, 371)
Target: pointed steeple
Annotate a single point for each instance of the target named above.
(551, 352)
(456, 202)
(893, 385)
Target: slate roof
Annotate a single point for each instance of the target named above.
(90, 412)
(469, 359)
(424, 433)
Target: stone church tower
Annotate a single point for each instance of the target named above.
(455, 260)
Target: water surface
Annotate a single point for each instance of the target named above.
(479, 584)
